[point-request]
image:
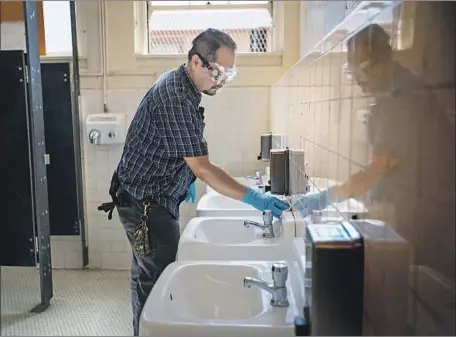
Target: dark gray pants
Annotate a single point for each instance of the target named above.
(163, 232)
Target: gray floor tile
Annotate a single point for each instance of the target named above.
(86, 302)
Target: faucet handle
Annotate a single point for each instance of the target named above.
(267, 217)
(279, 274)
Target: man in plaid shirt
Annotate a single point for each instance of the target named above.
(165, 151)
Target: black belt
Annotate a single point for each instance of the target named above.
(141, 238)
(108, 207)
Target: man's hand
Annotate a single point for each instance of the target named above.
(313, 202)
(191, 194)
(223, 183)
(358, 184)
(264, 202)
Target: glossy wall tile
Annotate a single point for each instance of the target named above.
(373, 107)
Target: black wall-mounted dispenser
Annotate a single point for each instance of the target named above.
(357, 280)
(266, 146)
(297, 178)
(287, 172)
(334, 279)
(270, 141)
(279, 172)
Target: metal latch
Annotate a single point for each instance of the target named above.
(47, 159)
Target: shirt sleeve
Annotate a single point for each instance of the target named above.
(182, 132)
(384, 127)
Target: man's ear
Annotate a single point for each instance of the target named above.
(195, 60)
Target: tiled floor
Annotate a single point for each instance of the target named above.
(85, 302)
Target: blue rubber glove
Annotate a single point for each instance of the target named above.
(265, 202)
(191, 194)
(313, 202)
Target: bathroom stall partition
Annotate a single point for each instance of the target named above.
(25, 237)
(38, 137)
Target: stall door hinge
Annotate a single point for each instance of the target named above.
(26, 74)
(47, 159)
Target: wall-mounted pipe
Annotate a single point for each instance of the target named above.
(104, 55)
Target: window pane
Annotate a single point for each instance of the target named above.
(169, 3)
(209, 3)
(57, 27)
(251, 28)
(165, 48)
(248, 2)
(218, 2)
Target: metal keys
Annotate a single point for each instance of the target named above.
(141, 237)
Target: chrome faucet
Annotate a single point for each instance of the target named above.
(277, 288)
(258, 177)
(267, 227)
(94, 136)
(316, 216)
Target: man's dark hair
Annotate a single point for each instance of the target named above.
(373, 36)
(208, 42)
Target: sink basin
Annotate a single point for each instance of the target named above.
(218, 283)
(201, 298)
(211, 205)
(216, 238)
(225, 231)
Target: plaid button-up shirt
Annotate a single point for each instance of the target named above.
(167, 127)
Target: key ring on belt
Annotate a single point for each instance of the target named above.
(144, 216)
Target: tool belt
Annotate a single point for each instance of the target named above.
(141, 238)
(108, 207)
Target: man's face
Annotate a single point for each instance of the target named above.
(214, 75)
(360, 65)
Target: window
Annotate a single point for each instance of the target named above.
(57, 28)
(172, 25)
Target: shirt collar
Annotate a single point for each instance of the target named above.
(194, 93)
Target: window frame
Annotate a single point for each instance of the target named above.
(143, 10)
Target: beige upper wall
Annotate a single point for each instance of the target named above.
(128, 71)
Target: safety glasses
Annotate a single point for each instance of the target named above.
(219, 74)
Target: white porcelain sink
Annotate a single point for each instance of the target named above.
(217, 283)
(214, 238)
(224, 231)
(202, 299)
(217, 205)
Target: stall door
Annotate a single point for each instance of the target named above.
(17, 220)
(61, 168)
